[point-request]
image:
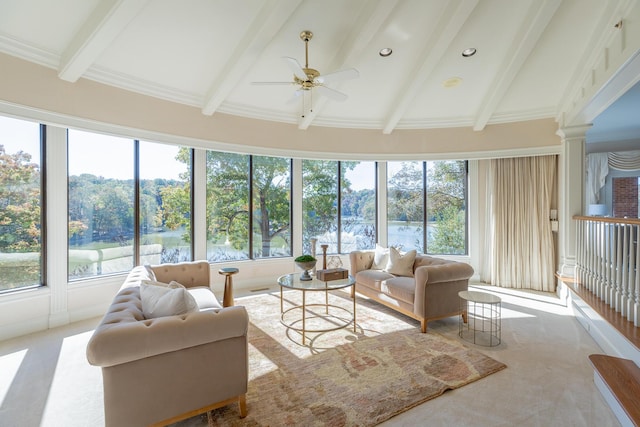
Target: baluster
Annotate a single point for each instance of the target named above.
(580, 268)
(621, 300)
(630, 291)
(607, 255)
(613, 301)
(636, 304)
(590, 256)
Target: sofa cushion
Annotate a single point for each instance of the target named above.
(372, 278)
(380, 258)
(205, 299)
(161, 299)
(401, 264)
(400, 288)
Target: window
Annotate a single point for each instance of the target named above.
(230, 200)
(405, 205)
(227, 206)
(271, 195)
(20, 204)
(358, 206)
(165, 203)
(101, 204)
(320, 204)
(426, 204)
(338, 205)
(447, 207)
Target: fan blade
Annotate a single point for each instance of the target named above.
(295, 66)
(273, 83)
(331, 93)
(337, 76)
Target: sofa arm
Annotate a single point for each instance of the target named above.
(360, 260)
(438, 273)
(122, 342)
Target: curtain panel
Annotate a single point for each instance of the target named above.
(520, 243)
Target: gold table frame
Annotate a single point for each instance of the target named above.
(292, 281)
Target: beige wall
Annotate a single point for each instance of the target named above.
(37, 87)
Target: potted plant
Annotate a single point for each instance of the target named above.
(305, 263)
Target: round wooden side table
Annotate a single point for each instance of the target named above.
(227, 272)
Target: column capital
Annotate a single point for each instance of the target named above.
(568, 133)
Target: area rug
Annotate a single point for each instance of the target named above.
(345, 378)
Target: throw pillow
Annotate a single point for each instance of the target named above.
(400, 264)
(380, 258)
(162, 299)
(150, 273)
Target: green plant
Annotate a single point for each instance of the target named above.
(305, 258)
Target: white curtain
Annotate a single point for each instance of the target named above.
(520, 244)
(597, 170)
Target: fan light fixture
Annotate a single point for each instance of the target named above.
(385, 51)
(309, 80)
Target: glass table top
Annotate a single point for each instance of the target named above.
(292, 281)
(479, 297)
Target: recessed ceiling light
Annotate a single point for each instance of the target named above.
(385, 51)
(452, 82)
(470, 51)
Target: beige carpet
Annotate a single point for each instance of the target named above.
(344, 378)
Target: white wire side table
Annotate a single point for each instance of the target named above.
(483, 318)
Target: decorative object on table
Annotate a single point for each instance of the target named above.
(306, 263)
(324, 256)
(334, 262)
(314, 242)
(227, 272)
(329, 274)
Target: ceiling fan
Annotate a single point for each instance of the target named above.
(308, 79)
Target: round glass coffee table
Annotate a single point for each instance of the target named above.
(298, 316)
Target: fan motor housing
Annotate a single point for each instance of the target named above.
(311, 76)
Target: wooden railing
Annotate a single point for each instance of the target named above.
(607, 262)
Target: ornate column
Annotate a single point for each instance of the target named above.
(571, 185)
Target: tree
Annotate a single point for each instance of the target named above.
(19, 203)
(405, 193)
(446, 206)
(20, 230)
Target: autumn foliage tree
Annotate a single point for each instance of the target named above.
(19, 203)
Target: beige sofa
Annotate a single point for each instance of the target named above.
(432, 292)
(161, 370)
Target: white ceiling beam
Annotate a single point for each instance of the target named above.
(536, 20)
(268, 21)
(370, 21)
(106, 22)
(452, 19)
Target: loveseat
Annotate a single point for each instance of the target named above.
(163, 369)
(426, 290)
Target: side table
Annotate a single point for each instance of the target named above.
(227, 272)
(483, 318)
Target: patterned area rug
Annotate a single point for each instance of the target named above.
(344, 378)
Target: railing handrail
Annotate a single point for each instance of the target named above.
(611, 220)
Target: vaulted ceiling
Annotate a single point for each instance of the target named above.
(208, 54)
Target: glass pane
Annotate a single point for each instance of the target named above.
(405, 205)
(227, 206)
(271, 207)
(165, 203)
(358, 206)
(20, 183)
(320, 204)
(101, 204)
(446, 207)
